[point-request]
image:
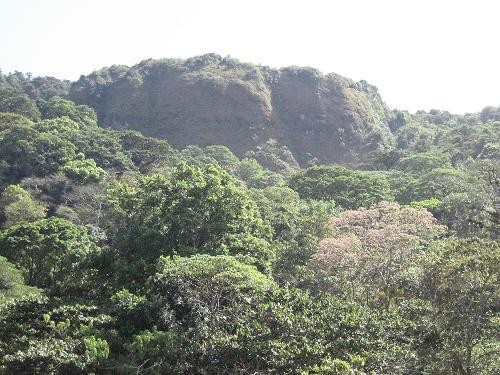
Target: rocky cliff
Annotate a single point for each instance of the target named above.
(213, 100)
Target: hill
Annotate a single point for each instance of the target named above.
(208, 100)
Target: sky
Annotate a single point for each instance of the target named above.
(421, 54)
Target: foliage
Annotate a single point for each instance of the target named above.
(198, 289)
(297, 226)
(422, 162)
(194, 211)
(17, 205)
(275, 157)
(83, 170)
(373, 255)
(463, 282)
(28, 152)
(48, 336)
(12, 283)
(59, 107)
(8, 119)
(348, 188)
(16, 102)
(224, 157)
(146, 153)
(155, 260)
(50, 252)
(34, 87)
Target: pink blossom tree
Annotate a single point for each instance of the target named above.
(376, 254)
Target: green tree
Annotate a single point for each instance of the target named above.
(58, 107)
(348, 188)
(194, 211)
(16, 205)
(297, 224)
(415, 137)
(384, 159)
(12, 283)
(52, 253)
(59, 126)
(28, 152)
(42, 335)
(8, 119)
(224, 157)
(463, 283)
(438, 184)
(18, 102)
(200, 288)
(254, 175)
(195, 301)
(148, 154)
(83, 170)
(103, 146)
(422, 162)
(281, 206)
(275, 157)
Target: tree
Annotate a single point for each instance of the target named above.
(148, 154)
(59, 126)
(86, 204)
(462, 281)
(298, 225)
(373, 253)
(58, 107)
(275, 157)
(29, 152)
(52, 253)
(199, 289)
(467, 213)
(467, 141)
(254, 175)
(213, 312)
(384, 159)
(422, 162)
(289, 332)
(439, 183)
(280, 206)
(12, 283)
(224, 157)
(43, 335)
(348, 188)
(199, 298)
(83, 170)
(414, 137)
(17, 205)
(10, 119)
(490, 114)
(194, 211)
(103, 146)
(18, 102)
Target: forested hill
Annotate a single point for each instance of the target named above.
(213, 100)
(208, 100)
(120, 254)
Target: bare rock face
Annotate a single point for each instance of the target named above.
(213, 100)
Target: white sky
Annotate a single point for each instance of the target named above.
(421, 54)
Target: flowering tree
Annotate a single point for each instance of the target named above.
(374, 253)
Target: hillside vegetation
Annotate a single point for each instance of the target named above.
(206, 216)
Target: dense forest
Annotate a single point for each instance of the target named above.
(206, 216)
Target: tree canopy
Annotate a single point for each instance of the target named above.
(122, 253)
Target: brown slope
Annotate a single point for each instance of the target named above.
(213, 100)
